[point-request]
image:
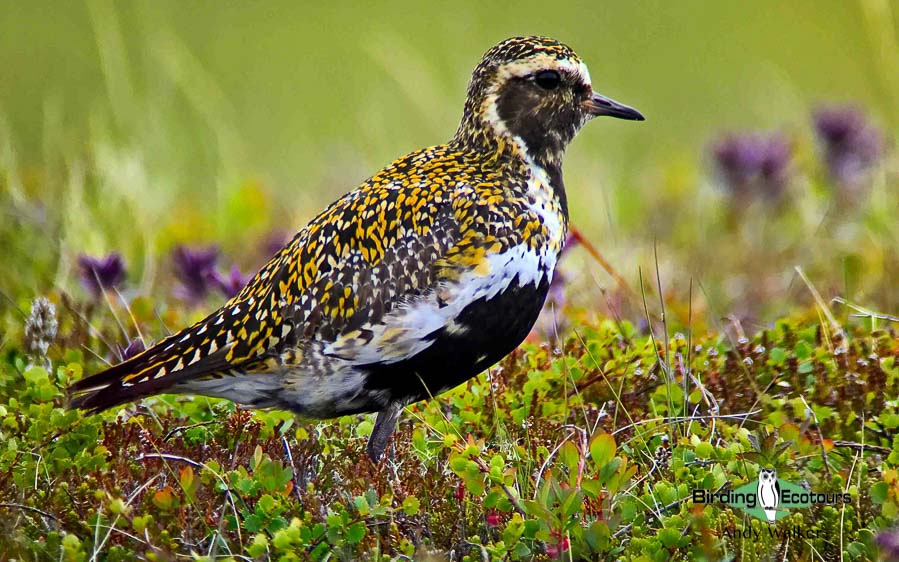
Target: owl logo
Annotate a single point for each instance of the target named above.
(769, 492)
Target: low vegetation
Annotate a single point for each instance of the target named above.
(592, 448)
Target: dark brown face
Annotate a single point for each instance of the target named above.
(536, 92)
(544, 109)
(545, 102)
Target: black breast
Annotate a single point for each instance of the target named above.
(495, 327)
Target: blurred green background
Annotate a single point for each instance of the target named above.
(131, 126)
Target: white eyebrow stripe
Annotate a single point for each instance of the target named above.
(526, 67)
(584, 74)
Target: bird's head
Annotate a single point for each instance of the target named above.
(537, 92)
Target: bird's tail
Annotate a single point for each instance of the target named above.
(771, 514)
(198, 351)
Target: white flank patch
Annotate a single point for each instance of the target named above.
(405, 330)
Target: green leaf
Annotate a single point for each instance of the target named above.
(362, 505)
(803, 351)
(531, 528)
(593, 488)
(258, 547)
(493, 498)
(419, 442)
(602, 449)
(606, 472)
(572, 504)
(879, 492)
(475, 485)
(252, 523)
(669, 537)
(889, 420)
(597, 536)
(514, 529)
(266, 503)
(704, 450)
(364, 428)
(36, 375)
(458, 464)
(411, 505)
(521, 551)
(570, 457)
(777, 356)
(356, 532)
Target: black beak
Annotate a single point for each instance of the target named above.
(601, 105)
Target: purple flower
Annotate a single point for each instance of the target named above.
(888, 541)
(134, 347)
(274, 241)
(754, 164)
(851, 144)
(194, 269)
(230, 284)
(99, 274)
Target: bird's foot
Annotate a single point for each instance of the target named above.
(385, 425)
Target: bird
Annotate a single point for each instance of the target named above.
(769, 493)
(424, 276)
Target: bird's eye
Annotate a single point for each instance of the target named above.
(548, 79)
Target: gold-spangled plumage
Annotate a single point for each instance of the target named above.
(429, 272)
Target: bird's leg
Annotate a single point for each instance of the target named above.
(384, 427)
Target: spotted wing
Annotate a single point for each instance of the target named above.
(371, 277)
(391, 277)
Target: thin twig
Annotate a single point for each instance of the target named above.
(822, 305)
(293, 467)
(181, 428)
(591, 249)
(862, 447)
(862, 312)
(664, 316)
(679, 419)
(31, 509)
(13, 304)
